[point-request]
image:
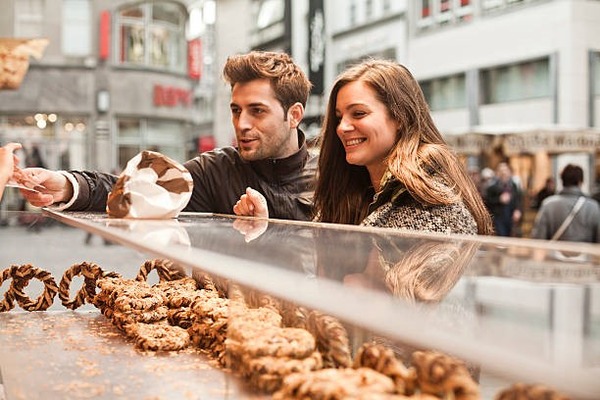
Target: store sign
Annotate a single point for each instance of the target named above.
(168, 96)
(195, 58)
(551, 142)
(470, 143)
(104, 45)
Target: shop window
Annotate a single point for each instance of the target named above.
(516, 82)
(152, 35)
(369, 9)
(435, 13)
(494, 5)
(29, 18)
(135, 135)
(270, 12)
(387, 6)
(596, 73)
(126, 152)
(50, 140)
(352, 12)
(446, 92)
(76, 35)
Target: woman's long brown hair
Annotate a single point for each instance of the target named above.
(343, 195)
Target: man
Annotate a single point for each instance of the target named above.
(503, 198)
(268, 97)
(584, 225)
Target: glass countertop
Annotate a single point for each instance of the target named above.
(526, 310)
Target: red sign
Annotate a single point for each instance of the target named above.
(104, 46)
(195, 58)
(168, 96)
(206, 143)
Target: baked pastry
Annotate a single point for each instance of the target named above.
(160, 336)
(522, 391)
(21, 276)
(334, 384)
(440, 374)
(14, 59)
(332, 339)
(382, 359)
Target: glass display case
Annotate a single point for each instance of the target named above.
(515, 310)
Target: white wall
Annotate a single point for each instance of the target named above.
(568, 29)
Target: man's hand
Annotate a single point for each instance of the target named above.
(56, 187)
(252, 204)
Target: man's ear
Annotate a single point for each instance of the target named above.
(295, 114)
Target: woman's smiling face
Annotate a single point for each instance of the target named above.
(365, 127)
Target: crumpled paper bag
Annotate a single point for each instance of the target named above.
(152, 186)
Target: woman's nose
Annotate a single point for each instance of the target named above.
(344, 125)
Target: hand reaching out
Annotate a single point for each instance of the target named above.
(55, 187)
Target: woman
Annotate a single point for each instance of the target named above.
(384, 163)
(7, 164)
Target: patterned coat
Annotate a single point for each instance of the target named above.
(394, 207)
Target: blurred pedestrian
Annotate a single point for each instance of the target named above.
(548, 190)
(504, 199)
(569, 215)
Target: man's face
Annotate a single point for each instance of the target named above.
(261, 127)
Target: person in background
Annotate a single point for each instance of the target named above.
(568, 215)
(7, 164)
(384, 163)
(548, 190)
(268, 97)
(504, 200)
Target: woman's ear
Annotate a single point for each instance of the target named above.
(295, 115)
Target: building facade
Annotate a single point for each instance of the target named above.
(515, 79)
(116, 78)
(505, 79)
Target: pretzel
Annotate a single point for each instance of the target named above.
(438, 373)
(121, 319)
(136, 296)
(280, 365)
(182, 317)
(91, 272)
(21, 277)
(8, 302)
(334, 384)
(382, 359)
(332, 339)
(160, 336)
(178, 293)
(277, 342)
(165, 269)
(521, 391)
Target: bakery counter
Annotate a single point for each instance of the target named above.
(514, 310)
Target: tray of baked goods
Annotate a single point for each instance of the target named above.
(212, 306)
